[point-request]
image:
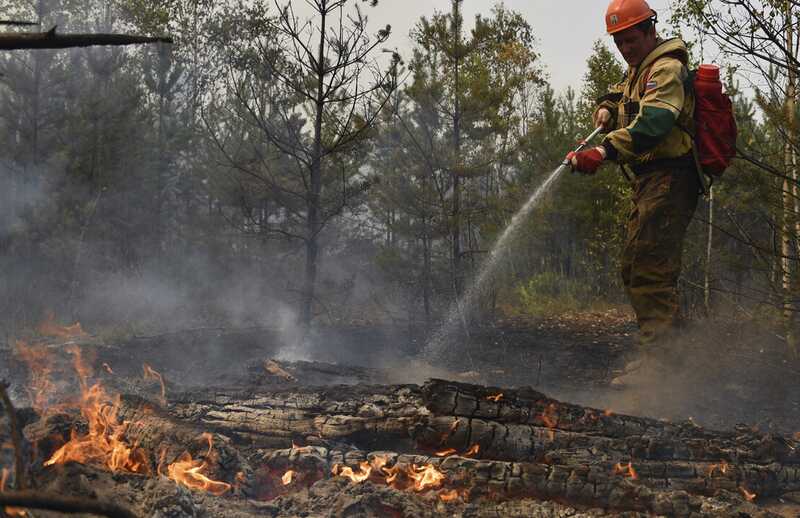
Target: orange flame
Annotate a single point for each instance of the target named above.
(105, 443)
(627, 470)
(363, 473)
(550, 416)
(426, 477)
(49, 327)
(447, 452)
(152, 374)
(189, 472)
(40, 365)
(449, 496)
(747, 494)
(287, 477)
(474, 450)
(495, 398)
(608, 412)
(722, 467)
(10, 511)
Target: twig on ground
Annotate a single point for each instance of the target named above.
(63, 504)
(16, 436)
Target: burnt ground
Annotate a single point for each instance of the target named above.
(727, 373)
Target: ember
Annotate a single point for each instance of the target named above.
(495, 398)
(627, 470)
(722, 467)
(747, 494)
(449, 495)
(447, 452)
(474, 450)
(287, 477)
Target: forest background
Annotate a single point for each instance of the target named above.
(275, 170)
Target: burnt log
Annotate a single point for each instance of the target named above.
(367, 415)
(475, 480)
(160, 436)
(521, 426)
(63, 504)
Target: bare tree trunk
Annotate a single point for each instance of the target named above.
(458, 280)
(709, 250)
(789, 223)
(313, 222)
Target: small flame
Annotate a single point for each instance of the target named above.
(10, 511)
(152, 374)
(449, 496)
(108, 368)
(453, 428)
(40, 364)
(550, 416)
(50, 328)
(189, 472)
(747, 494)
(627, 470)
(608, 412)
(473, 450)
(447, 452)
(495, 398)
(392, 474)
(722, 467)
(363, 473)
(288, 477)
(426, 477)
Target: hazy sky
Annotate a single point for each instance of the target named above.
(566, 29)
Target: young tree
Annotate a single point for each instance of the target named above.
(307, 94)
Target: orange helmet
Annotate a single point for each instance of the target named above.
(623, 14)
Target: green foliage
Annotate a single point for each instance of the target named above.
(547, 294)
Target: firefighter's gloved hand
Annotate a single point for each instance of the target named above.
(587, 162)
(602, 118)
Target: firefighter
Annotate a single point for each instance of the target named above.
(644, 117)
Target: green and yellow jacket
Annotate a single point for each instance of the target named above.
(646, 106)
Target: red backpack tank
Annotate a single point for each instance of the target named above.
(714, 123)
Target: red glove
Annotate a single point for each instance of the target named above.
(587, 162)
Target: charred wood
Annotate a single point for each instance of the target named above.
(63, 504)
(586, 485)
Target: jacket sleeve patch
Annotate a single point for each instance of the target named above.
(650, 128)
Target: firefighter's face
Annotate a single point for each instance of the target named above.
(635, 44)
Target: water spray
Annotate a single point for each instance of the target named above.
(458, 309)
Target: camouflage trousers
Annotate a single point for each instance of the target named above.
(664, 202)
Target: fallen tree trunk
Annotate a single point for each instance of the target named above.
(587, 485)
(521, 426)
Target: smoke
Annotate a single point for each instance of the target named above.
(716, 374)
